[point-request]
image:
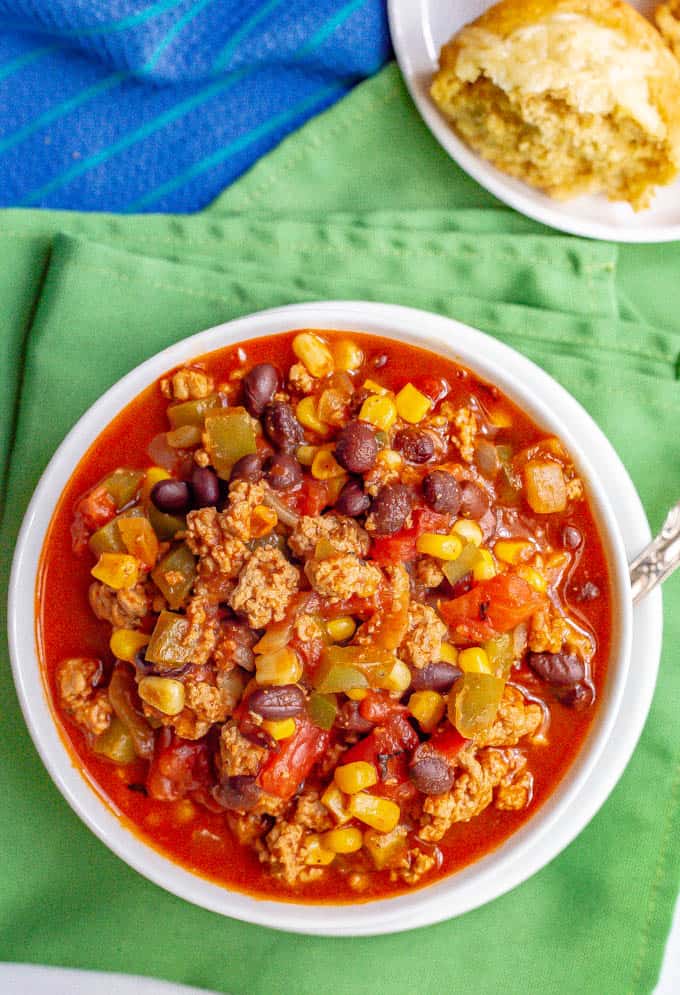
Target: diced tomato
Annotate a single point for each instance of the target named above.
(396, 736)
(178, 767)
(93, 510)
(491, 607)
(401, 546)
(378, 707)
(448, 742)
(284, 772)
(311, 497)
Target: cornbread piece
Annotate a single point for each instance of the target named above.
(571, 96)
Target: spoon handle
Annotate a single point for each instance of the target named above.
(659, 559)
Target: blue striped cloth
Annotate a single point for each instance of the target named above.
(128, 105)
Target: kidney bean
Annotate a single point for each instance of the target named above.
(356, 447)
(283, 471)
(259, 386)
(571, 537)
(171, 496)
(391, 507)
(247, 468)
(352, 500)
(240, 793)
(432, 775)
(274, 703)
(415, 444)
(474, 501)
(442, 493)
(579, 697)
(439, 676)
(559, 669)
(282, 426)
(350, 719)
(205, 485)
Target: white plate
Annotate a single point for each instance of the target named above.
(419, 29)
(34, 979)
(615, 730)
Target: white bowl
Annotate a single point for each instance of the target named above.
(627, 694)
(419, 29)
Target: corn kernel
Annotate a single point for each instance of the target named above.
(314, 353)
(512, 550)
(398, 678)
(412, 405)
(279, 728)
(325, 466)
(280, 667)
(357, 694)
(342, 628)
(356, 776)
(126, 643)
(448, 653)
(334, 800)
(484, 568)
(374, 387)
(153, 475)
(347, 840)
(379, 411)
(347, 355)
(390, 459)
(533, 578)
(468, 531)
(307, 416)
(163, 693)
(427, 708)
(306, 454)
(378, 813)
(315, 855)
(334, 486)
(500, 418)
(117, 570)
(443, 547)
(474, 661)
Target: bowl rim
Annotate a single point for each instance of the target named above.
(520, 856)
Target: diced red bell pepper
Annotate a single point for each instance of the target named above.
(491, 607)
(94, 510)
(401, 546)
(284, 771)
(178, 767)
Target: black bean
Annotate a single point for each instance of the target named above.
(248, 468)
(439, 676)
(432, 775)
(171, 496)
(571, 537)
(259, 386)
(352, 500)
(350, 719)
(274, 703)
(282, 426)
(559, 669)
(415, 444)
(474, 501)
(206, 487)
(356, 447)
(240, 793)
(283, 471)
(391, 508)
(579, 697)
(442, 493)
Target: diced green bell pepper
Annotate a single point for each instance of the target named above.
(322, 709)
(165, 526)
(108, 539)
(500, 653)
(115, 744)
(230, 435)
(455, 570)
(193, 412)
(123, 485)
(166, 648)
(179, 561)
(473, 703)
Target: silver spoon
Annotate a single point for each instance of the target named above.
(659, 559)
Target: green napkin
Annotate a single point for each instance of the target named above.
(360, 203)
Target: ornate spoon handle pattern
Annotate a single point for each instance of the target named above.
(659, 559)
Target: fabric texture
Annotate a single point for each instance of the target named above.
(360, 203)
(127, 106)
